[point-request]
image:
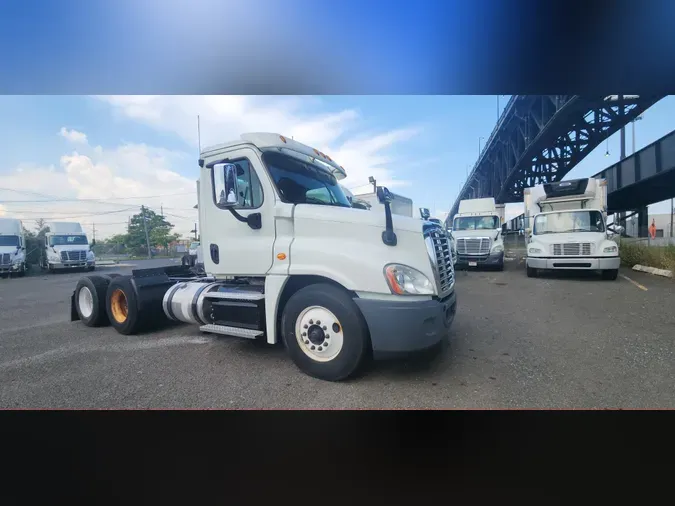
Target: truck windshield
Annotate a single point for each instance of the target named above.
(568, 222)
(68, 240)
(476, 223)
(9, 240)
(301, 182)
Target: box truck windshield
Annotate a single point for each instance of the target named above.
(9, 240)
(301, 182)
(476, 223)
(569, 222)
(68, 240)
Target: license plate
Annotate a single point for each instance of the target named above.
(473, 264)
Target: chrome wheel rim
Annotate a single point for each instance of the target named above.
(85, 301)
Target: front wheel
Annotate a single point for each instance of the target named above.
(531, 272)
(610, 274)
(325, 333)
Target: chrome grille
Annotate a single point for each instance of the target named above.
(572, 249)
(5, 259)
(473, 246)
(73, 256)
(442, 248)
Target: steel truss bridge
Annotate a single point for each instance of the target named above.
(540, 138)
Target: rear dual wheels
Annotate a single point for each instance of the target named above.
(90, 299)
(325, 333)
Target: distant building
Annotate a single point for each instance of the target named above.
(662, 222)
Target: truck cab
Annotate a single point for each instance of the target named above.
(288, 259)
(66, 247)
(478, 234)
(567, 229)
(12, 247)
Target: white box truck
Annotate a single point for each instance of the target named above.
(12, 247)
(477, 229)
(66, 247)
(566, 228)
(290, 260)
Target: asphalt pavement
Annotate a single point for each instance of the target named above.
(552, 342)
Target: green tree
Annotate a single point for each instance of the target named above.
(159, 231)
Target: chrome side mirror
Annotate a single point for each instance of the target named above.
(225, 184)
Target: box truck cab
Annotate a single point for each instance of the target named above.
(66, 247)
(567, 229)
(12, 247)
(289, 260)
(477, 229)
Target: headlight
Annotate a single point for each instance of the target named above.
(90, 255)
(534, 251)
(53, 256)
(403, 280)
(17, 260)
(611, 249)
(498, 248)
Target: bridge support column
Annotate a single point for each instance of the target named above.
(643, 222)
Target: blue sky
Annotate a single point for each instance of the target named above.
(146, 147)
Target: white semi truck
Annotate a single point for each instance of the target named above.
(567, 228)
(66, 247)
(477, 229)
(290, 260)
(12, 247)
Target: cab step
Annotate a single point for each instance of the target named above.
(231, 331)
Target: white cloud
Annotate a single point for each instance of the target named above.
(73, 136)
(92, 173)
(223, 118)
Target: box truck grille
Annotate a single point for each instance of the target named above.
(474, 246)
(572, 249)
(441, 244)
(5, 259)
(73, 256)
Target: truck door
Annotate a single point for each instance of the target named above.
(229, 246)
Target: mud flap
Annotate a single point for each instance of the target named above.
(73, 311)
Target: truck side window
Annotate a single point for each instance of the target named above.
(250, 190)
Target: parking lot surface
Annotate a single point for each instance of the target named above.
(551, 342)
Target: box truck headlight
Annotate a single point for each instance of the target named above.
(404, 280)
(534, 251)
(90, 255)
(53, 256)
(611, 249)
(498, 248)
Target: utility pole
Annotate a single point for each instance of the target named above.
(195, 231)
(145, 227)
(94, 232)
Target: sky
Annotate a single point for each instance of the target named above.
(97, 159)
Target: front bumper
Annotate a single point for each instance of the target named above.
(400, 327)
(72, 265)
(585, 263)
(491, 259)
(5, 268)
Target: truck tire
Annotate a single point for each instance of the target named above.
(90, 297)
(122, 307)
(531, 272)
(610, 274)
(325, 333)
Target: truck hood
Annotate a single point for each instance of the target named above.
(371, 218)
(592, 237)
(8, 249)
(71, 247)
(345, 245)
(475, 233)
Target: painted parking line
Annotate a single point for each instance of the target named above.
(641, 287)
